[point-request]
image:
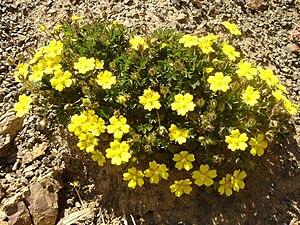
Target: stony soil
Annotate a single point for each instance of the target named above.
(38, 163)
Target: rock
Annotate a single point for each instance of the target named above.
(10, 125)
(16, 210)
(181, 18)
(2, 192)
(292, 48)
(37, 152)
(3, 223)
(43, 200)
(117, 9)
(198, 3)
(257, 4)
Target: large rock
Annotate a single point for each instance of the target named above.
(43, 200)
(36, 204)
(10, 125)
(16, 210)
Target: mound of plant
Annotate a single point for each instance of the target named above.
(159, 104)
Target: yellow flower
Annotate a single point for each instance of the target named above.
(219, 82)
(205, 43)
(233, 28)
(42, 27)
(156, 171)
(150, 99)
(290, 107)
(53, 49)
(76, 122)
(138, 43)
(163, 45)
(208, 70)
(75, 18)
(57, 27)
(230, 52)
(61, 80)
(181, 187)
(281, 87)
(237, 140)
(50, 64)
(99, 64)
(22, 107)
(37, 56)
(237, 180)
(118, 152)
(204, 176)
(84, 65)
(268, 76)
(278, 95)
(105, 79)
(37, 74)
(118, 126)
(177, 134)
(87, 142)
(246, 69)
(183, 104)
(258, 145)
(135, 177)
(189, 40)
(21, 74)
(226, 185)
(98, 157)
(184, 160)
(250, 96)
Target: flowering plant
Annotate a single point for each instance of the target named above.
(171, 101)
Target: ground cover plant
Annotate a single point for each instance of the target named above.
(159, 104)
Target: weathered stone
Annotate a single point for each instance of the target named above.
(9, 127)
(198, 3)
(292, 48)
(16, 211)
(2, 192)
(43, 200)
(37, 151)
(3, 223)
(257, 4)
(182, 17)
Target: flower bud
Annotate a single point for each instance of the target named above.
(164, 90)
(152, 71)
(86, 102)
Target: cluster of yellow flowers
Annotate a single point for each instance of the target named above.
(237, 141)
(204, 176)
(250, 96)
(46, 61)
(232, 182)
(204, 43)
(155, 172)
(87, 126)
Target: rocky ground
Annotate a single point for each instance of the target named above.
(38, 161)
